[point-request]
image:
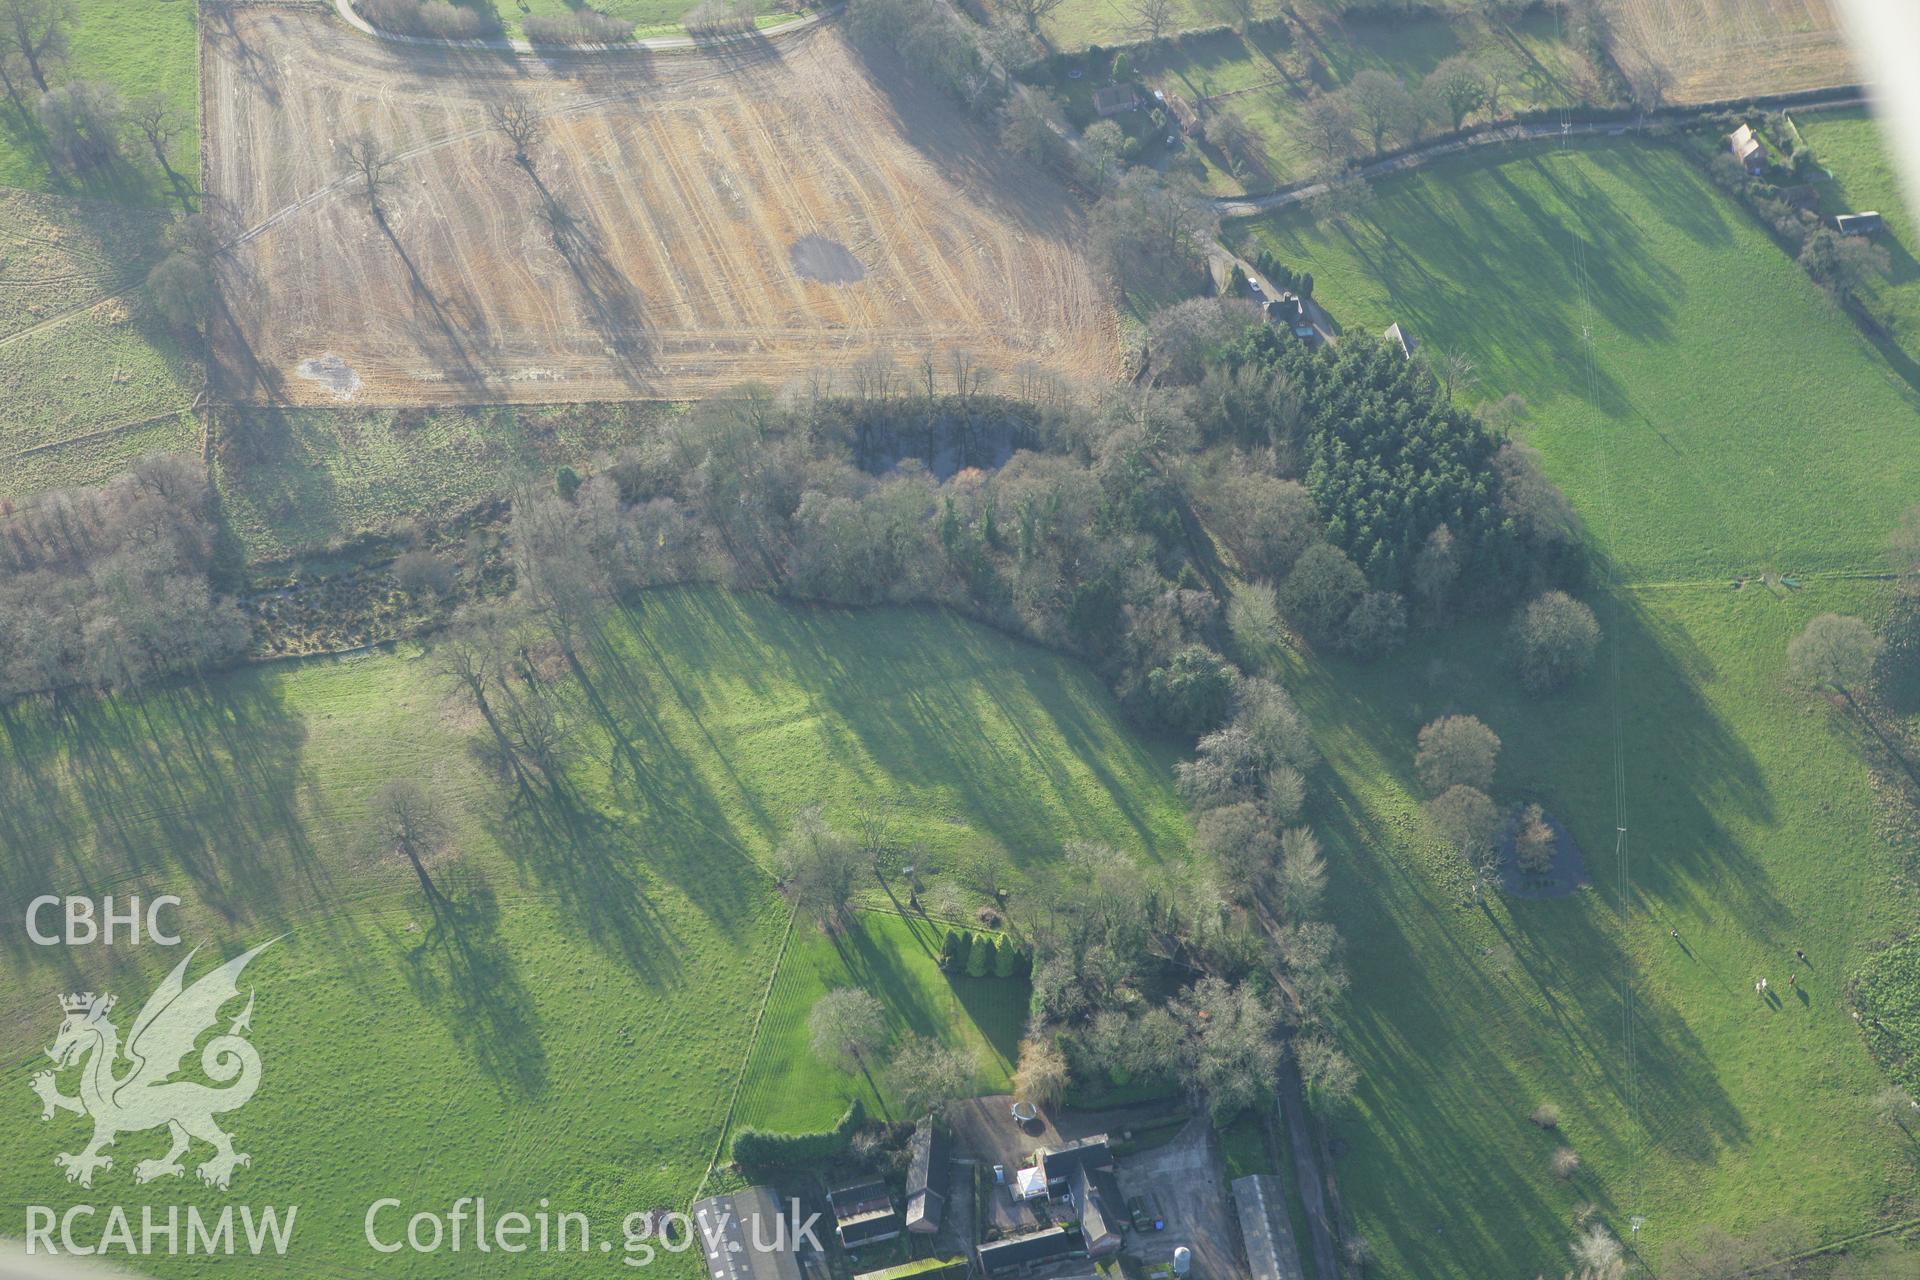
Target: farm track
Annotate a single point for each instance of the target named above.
(69, 313)
(653, 258)
(92, 437)
(1491, 136)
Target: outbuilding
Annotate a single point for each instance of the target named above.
(1098, 1207)
(927, 1179)
(1272, 1252)
(746, 1236)
(1858, 224)
(1002, 1256)
(1060, 1163)
(1112, 99)
(1747, 148)
(864, 1214)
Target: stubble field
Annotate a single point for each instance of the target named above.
(687, 222)
(1717, 49)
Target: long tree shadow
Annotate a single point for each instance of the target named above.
(614, 306)
(462, 970)
(197, 789)
(1559, 1005)
(445, 338)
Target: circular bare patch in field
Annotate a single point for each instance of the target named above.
(331, 372)
(828, 261)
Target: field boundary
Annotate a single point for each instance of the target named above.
(746, 1060)
(1613, 125)
(652, 44)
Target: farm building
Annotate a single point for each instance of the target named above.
(1747, 148)
(1857, 224)
(1060, 1163)
(1097, 1201)
(1397, 337)
(927, 1178)
(1002, 1256)
(1112, 99)
(1272, 1253)
(746, 1236)
(864, 1214)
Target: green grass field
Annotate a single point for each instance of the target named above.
(650, 17)
(1735, 420)
(580, 1032)
(788, 1089)
(138, 48)
(1849, 146)
(1268, 73)
(90, 378)
(1750, 831)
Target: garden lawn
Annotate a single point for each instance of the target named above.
(138, 47)
(1733, 419)
(895, 958)
(574, 1025)
(1849, 146)
(1690, 1100)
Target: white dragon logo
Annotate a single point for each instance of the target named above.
(147, 1096)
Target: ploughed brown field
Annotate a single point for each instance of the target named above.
(692, 221)
(1714, 49)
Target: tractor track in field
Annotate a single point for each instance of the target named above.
(61, 317)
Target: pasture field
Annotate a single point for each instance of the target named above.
(1715, 49)
(894, 957)
(575, 1025)
(693, 221)
(1736, 421)
(1268, 73)
(90, 377)
(324, 474)
(1751, 830)
(138, 48)
(1751, 820)
(651, 17)
(1850, 146)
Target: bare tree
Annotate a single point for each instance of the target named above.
(369, 162)
(1041, 1076)
(818, 867)
(1458, 86)
(82, 120)
(153, 117)
(848, 1026)
(408, 823)
(1152, 19)
(36, 33)
(514, 118)
(1385, 106)
(1834, 652)
(1329, 125)
(1032, 12)
(926, 1076)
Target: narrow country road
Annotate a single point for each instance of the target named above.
(1489, 136)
